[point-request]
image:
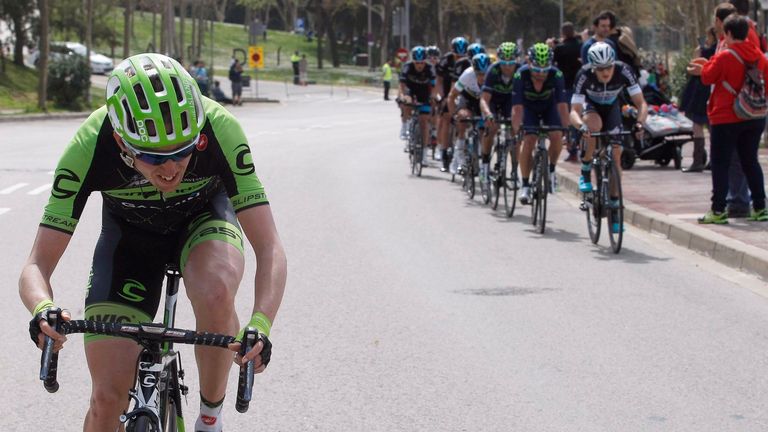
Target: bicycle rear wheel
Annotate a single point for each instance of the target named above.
(594, 206)
(615, 216)
(512, 185)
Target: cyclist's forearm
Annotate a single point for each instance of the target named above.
(576, 120)
(517, 116)
(271, 275)
(34, 286)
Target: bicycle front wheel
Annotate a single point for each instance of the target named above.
(142, 423)
(615, 209)
(512, 184)
(542, 192)
(416, 155)
(593, 206)
(170, 400)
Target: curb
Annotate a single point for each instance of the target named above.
(36, 117)
(723, 249)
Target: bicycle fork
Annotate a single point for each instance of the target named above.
(146, 394)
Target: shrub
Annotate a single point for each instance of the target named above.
(68, 79)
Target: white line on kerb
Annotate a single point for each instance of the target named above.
(13, 188)
(39, 190)
(4, 210)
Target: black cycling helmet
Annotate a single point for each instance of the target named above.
(459, 45)
(418, 53)
(433, 51)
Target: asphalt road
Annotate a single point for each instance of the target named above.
(411, 308)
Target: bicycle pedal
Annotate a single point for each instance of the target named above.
(184, 389)
(583, 206)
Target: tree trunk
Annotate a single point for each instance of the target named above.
(386, 30)
(440, 27)
(154, 28)
(193, 42)
(127, 28)
(21, 40)
(221, 9)
(88, 42)
(182, 15)
(330, 30)
(42, 70)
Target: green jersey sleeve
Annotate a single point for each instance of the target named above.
(70, 189)
(243, 186)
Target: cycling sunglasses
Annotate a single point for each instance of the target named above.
(603, 68)
(540, 69)
(508, 62)
(158, 158)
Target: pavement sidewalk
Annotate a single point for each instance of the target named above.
(667, 202)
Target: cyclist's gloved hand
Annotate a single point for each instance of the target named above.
(260, 353)
(39, 328)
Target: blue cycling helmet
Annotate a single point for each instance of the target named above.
(459, 45)
(481, 62)
(418, 53)
(475, 49)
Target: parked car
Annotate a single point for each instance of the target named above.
(100, 64)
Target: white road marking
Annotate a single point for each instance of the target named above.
(39, 190)
(4, 210)
(13, 188)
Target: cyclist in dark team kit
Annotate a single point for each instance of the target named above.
(179, 187)
(539, 99)
(417, 86)
(449, 69)
(496, 101)
(595, 106)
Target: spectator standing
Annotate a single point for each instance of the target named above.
(694, 103)
(604, 24)
(295, 63)
(386, 78)
(729, 132)
(303, 70)
(568, 60)
(236, 77)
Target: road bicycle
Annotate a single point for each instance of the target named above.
(540, 181)
(606, 182)
(504, 177)
(471, 167)
(159, 383)
(414, 139)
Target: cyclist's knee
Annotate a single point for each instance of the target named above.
(107, 402)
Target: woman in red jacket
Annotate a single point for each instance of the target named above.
(730, 133)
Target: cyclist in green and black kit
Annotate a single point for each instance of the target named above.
(496, 101)
(178, 182)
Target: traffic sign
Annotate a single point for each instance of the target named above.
(256, 57)
(402, 54)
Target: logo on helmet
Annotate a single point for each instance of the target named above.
(142, 129)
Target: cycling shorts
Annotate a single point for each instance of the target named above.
(128, 270)
(501, 107)
(548, 116)
(471, 104)
(610, 116)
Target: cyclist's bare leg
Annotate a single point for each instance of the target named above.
(490, 134)
(211, 277)
(424, 122)
(595, 124)
(526, 155)
(443, 129)
(617, 149)
(555, 146)
(112, 364)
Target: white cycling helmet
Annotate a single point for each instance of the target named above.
(601, 55)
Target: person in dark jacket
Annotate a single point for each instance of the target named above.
(694, 104)
(568, 60)
(729, 133)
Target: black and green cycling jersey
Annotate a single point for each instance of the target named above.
(91, 162)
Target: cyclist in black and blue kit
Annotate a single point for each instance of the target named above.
(449, 69)
(496, 101)
(539, 99)
(417, 86)
(595, 105)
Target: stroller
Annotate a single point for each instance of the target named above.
(665, 132)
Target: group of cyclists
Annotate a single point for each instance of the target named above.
(526, 92)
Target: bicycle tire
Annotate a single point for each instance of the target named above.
(170, 400)
(543, 192)
(616, 238)
(416, 155)
(594, 208)
(535, 184)
(141, 423)
(498, 179)
(513, 183)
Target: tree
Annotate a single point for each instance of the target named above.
(42, 71)
(127, 28)
(19, 14)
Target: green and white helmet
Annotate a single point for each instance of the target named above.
(153, 102)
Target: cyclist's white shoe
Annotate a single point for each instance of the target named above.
(402, 131)
(525, 195)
